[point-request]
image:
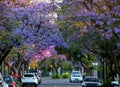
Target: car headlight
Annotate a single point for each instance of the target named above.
(81, 78)
(99, 84)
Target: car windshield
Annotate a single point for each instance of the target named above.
(76, 75)
(75, 72)
(28, 75)
(91, 79)
(7, 79)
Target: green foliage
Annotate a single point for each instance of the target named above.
(65, 75)
(12, 24)
(108, 83)
(56, 76)
(66, 65)
(19, 84)
(45, 64)
(7, 39)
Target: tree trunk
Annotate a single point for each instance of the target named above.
(16, 68)
(5, 52)
(112, 72)
(89, 72)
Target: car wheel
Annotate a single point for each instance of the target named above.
(40, 82)
(70, 81)
(36, 85)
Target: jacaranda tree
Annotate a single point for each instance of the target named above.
(93, 26)
(35, 25)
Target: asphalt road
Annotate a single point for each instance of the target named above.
(58, 83)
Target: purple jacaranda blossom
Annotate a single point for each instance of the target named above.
(117, 30)
(118, 44)
(95, 1)
(108, 35)
(114, 1)
(32, 17)
(100, 23)
(35, 25)
(84, 30)
(109, 22)
(118, 13)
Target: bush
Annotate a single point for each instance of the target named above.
(107, 85)
(66, 75)
(56, 76)
(19, 84)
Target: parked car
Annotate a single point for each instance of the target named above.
(29, 79)
(35, 71)
(10, 81)
(2, 82)
(91, 81)
(115, 84)
(38, 77)
(75, 72)
(76, 76)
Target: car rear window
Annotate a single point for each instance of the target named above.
(28, 75)
(91, 79)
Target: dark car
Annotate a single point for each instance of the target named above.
(10, 81)
(91, 81)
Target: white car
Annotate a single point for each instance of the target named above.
(115, 83)
(76, 76)
(29, 79)
(38, 77)
(91, 81)
(75, 72)
(2, 82)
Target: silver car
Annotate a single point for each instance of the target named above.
(29, 79)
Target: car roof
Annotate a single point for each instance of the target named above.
(75, 71)
(29, 73)
(91, 77)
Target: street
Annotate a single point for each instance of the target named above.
(58, 83)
